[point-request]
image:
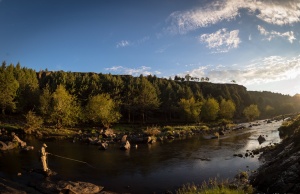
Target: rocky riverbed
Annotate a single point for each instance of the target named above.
(280, 172)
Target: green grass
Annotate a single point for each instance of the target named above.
(215, 187)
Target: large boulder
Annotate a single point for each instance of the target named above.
(103, 146)
(67, 187)
(124, 139)
(10, 145)
(150, 139)
(108, 133)
(125, 146)
(93, 140)
(261, 139)
(78, 187)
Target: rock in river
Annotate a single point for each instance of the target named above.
(125, 146)
(261, 139)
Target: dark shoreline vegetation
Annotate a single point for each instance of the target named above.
(103, 108)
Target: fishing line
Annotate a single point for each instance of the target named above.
(72, 160)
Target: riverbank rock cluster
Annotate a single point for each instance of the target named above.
(74, 187)
(280, 172)
(12, 141)
(103, 138)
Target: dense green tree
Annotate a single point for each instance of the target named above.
(146, 97)
(190, 109)
(65, 111)
(8, 87)
(33, 122)
(27, 93)
(128, 97)
(168, 97)
(45, 102)
(210, 110)
(251, 112)
(140, 98)
(101, 108)
(227, 109)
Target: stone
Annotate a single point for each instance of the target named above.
(67, 187)
(103, 146)
(125, 146)
(108, 133)
(124, 139)
(261, 139)
(28, 148)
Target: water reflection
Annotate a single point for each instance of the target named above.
(149, 168)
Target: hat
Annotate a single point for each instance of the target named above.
(44, 145)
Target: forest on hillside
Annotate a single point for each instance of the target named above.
(69, 98)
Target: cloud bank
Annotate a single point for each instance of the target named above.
(269, 69)
(273, 34)
(276, 12)
(222, 40)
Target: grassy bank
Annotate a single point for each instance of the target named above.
(237, 186)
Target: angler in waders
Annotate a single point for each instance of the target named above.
(44, 160)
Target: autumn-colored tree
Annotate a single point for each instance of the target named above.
(251, 112)
(227, 109)
(210, 110)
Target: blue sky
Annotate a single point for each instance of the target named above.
(254, 42)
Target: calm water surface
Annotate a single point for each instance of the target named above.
(149, 168)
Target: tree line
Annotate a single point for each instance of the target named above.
(69, 98)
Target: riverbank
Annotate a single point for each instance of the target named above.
(280, 172)
(161, 157)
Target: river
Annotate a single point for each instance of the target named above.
(150, 168)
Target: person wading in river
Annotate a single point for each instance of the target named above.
(44, 159)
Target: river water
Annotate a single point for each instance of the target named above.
(151, 168)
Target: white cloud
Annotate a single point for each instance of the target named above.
(123, 43)
(273, 34)
(132, 71)
(266, 70)
(221, 41)
(276, 12)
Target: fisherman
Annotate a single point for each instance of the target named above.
(44, 159)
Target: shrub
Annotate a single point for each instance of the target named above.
(167, 128)
(204, 127)
(153, 131)
(289, 127)
(33, 122)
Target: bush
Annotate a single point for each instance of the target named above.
(153, 131)
(33, 122)
(204, 127)
(167, 128)
(289, 127)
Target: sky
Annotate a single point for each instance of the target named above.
(256, 43)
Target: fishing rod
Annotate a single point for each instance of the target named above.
(72, 160)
